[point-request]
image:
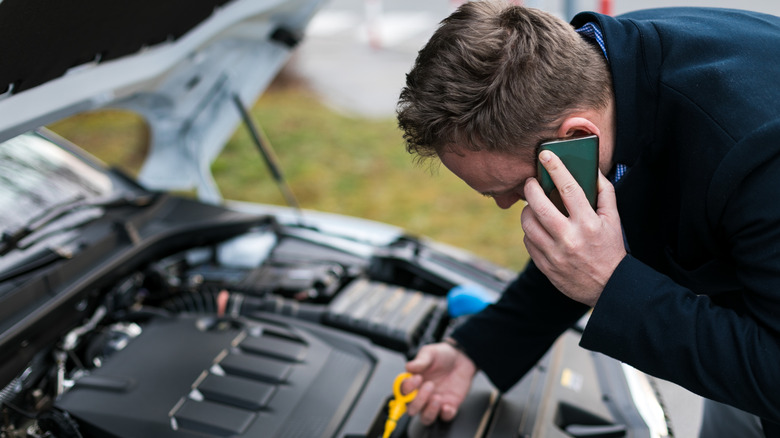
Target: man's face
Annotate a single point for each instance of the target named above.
(499, 176)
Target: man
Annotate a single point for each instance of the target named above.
(681, 260)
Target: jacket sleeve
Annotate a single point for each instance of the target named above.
(507, 338)
(723, 346)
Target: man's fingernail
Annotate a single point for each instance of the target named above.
(448, 411)
(545, 156)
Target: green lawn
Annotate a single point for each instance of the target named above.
(333, 163)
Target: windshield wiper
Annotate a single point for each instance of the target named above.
(36, 261)
(10, 239)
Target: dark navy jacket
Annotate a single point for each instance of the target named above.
(697, 300)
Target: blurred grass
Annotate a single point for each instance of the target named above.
(333, 163)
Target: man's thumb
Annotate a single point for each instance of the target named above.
(421, 362)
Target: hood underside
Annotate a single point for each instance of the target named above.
(67, 34)
(182, 64)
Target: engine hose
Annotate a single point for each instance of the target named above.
(237, 304)
(10, 391)
(60, 423)
(295, 309)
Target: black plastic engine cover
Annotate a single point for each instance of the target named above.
(195, 376)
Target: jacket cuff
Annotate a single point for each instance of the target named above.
(615, 322)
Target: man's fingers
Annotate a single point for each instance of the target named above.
(431, 411)
(421, 362)
(448, 412)
(538, 202)
(572, 195)
(419, 403)
(411, 383)
(534, 231)
(541, 220)
(606, 196)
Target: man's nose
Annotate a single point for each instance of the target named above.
(506, 201)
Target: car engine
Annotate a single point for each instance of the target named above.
(192, 320)
(275, 331)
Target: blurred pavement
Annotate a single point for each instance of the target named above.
(357, 52)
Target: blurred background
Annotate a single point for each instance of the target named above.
(330, 118)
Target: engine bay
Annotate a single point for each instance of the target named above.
(192, 320)
(275, 331)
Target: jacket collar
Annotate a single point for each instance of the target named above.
(634, 56)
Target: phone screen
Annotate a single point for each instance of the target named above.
(580, 155)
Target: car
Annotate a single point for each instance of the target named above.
(129, 311)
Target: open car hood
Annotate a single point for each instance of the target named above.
(182, 64)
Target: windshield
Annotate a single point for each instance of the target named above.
(36, 174)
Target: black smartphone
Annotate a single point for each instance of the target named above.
(580, 155)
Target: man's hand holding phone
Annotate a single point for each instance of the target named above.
(578, 253)
(580, 155)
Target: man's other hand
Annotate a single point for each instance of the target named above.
(442, 374)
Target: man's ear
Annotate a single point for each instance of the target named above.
(577, 126)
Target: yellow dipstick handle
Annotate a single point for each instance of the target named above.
(397, 406)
